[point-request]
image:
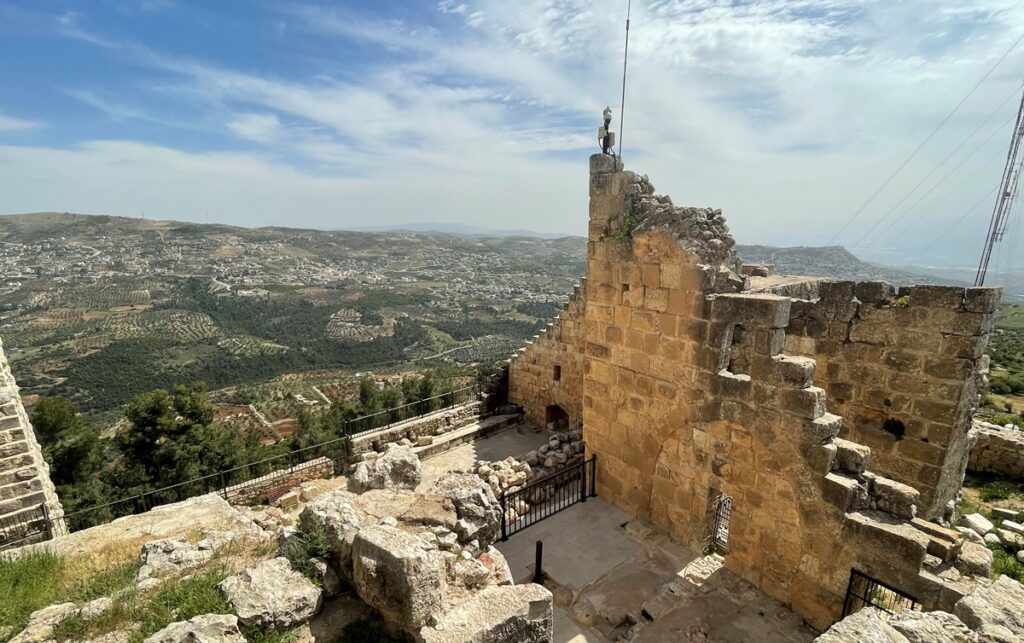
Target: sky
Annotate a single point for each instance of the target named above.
(787, 114)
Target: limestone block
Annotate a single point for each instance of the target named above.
(271, 594)
(477, 508)
(807, 403)
(980, 524)
(399, 575)
(931, 627)
(868, 624)
(975, 559)
(520, 613)
(995, 612)
(874, 292)
(337, 516)
(982, 300)
(896, 498)
(41, 623)
(208, 628)
(1010, 539)
(1010, 525)
(398, 468)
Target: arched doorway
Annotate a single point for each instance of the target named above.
(555, 418)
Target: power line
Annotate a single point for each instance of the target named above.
(936, 168)
(942, 181)
(947, 230)
(925, 141)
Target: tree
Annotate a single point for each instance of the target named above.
(53, 416)
(369, 396)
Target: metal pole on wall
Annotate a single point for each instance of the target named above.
(625, 59)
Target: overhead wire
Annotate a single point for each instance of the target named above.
(938, 127)
(935, 169)
(951, 226)
(998, 153)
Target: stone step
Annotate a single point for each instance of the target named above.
(466, 434)
(851, 457)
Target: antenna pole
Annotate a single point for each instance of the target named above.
(625, 59)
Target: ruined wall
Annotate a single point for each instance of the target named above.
(901, 368)
(265, 489)
(25, 487)
(997, 450)
(687, 395)
(548, 371)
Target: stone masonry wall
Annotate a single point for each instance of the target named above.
(997, 450)
(278, 482)
(548, 371)
(901, 368)
(25, 483)
(688, 395)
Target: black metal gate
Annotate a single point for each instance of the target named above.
(547, 496)
(26, 527)
(864, 591)
(720, 524)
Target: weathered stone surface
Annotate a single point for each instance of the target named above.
(980, 524)
(208, 628)
(478, 510)
(975, 559)
(171, 556)
(866, 626)
(337, 516)
(399, 575)
(398, 468)
(931, 627)
(271, 594)
(520, 613)
(41, 623)
(995, 612)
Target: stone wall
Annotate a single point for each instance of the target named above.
(548, 371)
(265, 489)
(901, 368)
(688, 395)
(997, 450)
(25, 486)
(436, 423)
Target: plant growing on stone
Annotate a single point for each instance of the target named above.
(310, 541)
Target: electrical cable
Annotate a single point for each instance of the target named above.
(942, 123)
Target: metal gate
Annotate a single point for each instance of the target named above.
(720, 525)
(864, 591)
(547, 496)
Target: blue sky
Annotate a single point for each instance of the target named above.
(787, 114)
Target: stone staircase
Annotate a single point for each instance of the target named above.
(573, 307)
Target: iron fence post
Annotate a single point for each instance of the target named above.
(538, 564)
(584, 482)
(223, 485)
(504, 521)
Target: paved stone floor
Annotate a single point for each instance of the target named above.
(515, 441)
(618, 579)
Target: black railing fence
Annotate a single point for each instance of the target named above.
(28, 526)
(544, 497)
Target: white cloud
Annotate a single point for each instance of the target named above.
(786, 113)
(11, 124)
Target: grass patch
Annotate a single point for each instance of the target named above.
(997, 490)
(309, 542)
(146, 614)
(1005, 563)
(37, 579)
(968, 506)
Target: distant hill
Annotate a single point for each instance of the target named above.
(459, 229)
(831, 261)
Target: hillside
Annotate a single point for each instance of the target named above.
(828, 261)
(99, 308)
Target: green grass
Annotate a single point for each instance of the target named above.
(1005, 563)
(39, 579)
(998, 490)
(175, 600)
(309, 542)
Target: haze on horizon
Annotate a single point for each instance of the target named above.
(787, 114)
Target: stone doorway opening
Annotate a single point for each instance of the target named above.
(720, 517)
(555, 418)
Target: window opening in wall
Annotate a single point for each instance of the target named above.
(557, 374)
(894, 427)
(719, 542)
(864, 591)
(556, 418)
(738, 361)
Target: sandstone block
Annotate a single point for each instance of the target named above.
(851, 457)
(874, 292)
(896, 498)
